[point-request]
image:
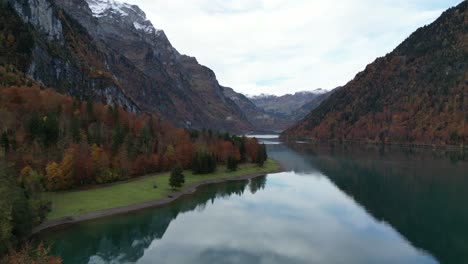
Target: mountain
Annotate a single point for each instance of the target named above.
(305, 109)
(416, 94)
(261, 121)
(108, 51)
(270, 113)
(285, 105)
(38, 40)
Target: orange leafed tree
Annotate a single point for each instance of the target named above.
(30, 255)
(251, 149)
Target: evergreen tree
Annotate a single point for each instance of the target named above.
(96, 134)
(177, 178)
(5, 142)
(147, 137)
(118, 137)
(89, 110)
(34, 126)
(75, 129)
(232, 164)
(49, 130)
(261, 155)
(243, 150)
(203, 163)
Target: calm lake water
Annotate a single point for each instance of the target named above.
(333, 205)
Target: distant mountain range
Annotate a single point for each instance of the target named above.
(276, 113)
(285, 105)
(417, 94)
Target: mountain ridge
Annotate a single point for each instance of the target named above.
(414, 95)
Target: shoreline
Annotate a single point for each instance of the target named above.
(188, 190)
(351, 142)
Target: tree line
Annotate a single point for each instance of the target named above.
(51, 142)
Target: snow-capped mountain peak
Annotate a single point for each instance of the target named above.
(99, 7)
(132, 13)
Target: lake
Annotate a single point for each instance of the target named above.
(334, 204)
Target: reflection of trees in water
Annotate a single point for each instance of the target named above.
(421, 193)
(125, 238)
(257, 184)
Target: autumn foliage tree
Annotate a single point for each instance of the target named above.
(74, 143)
(31, 255)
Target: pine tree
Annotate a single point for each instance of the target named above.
(75, 129)
(177, 178)
(232, 163)
(261, 155)
(203, 163)
(118, 137)
(5, 142)
(50, 129)
(242, 150)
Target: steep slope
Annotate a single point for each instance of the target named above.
(179, 88)
(304, 110)
(40, 41)
(417, 94)
(108, 51)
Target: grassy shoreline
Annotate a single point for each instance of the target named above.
(70, 204)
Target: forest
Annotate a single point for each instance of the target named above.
(415, 95)
(52, 142)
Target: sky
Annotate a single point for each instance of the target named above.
(286, 46)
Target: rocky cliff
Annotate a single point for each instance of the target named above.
(41, 41)
(179, 88)
(109, 51)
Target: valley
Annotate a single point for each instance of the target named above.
(115, 147)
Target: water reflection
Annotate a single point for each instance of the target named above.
(124, 239)
(336, 205)
(421, 193)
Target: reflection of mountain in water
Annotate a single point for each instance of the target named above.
(125, 238)
(409, 189)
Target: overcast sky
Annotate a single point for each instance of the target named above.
(284, 46)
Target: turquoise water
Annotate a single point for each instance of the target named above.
(332, 205)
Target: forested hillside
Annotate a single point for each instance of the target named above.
(51, 142)
(417, 94)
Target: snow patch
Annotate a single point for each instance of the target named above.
(146, 28)
(100, 7)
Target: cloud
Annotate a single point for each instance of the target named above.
(303, 44)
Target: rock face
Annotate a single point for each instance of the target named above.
(56, 52)
(178, 87)
(41, 14)
(417, 94)
(109, 51)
